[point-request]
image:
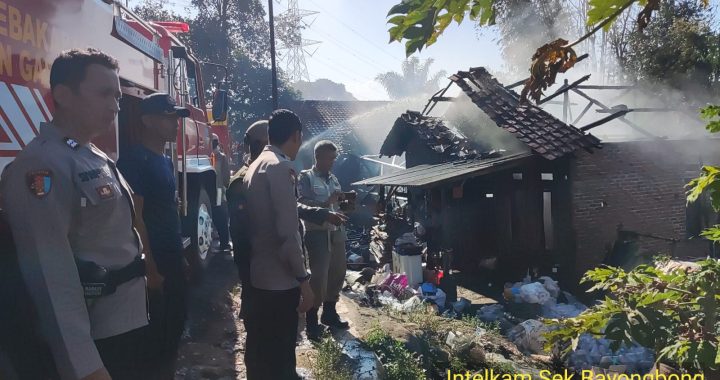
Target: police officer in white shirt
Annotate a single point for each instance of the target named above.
(71, 216)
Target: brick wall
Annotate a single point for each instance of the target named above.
(637, 184)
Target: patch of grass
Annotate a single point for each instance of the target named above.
(399, 363)
(501, 367)
(457, 365)
(475, 322)
(328, 364)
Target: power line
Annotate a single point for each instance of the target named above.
(356, 32)
(352, 51)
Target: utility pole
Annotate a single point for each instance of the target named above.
(272, 56)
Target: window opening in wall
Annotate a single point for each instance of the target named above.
(517, 176)
(547, 176)
(548, 221)
(489, 195)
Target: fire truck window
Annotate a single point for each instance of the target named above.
(192, 91)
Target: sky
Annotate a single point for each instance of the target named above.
(354, 45)
(354, 49)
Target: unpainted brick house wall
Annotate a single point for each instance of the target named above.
(639, 185)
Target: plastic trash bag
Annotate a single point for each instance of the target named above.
(491, 313)
(534, 293)
(527, 336)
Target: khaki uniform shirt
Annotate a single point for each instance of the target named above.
(64, 200)
(276, 259)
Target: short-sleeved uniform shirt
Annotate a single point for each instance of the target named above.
(66, 201)
(151, 176)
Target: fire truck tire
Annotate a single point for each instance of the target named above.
(198, 224)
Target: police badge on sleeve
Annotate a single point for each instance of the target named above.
(39, 182)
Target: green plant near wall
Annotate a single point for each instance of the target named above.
(674, 314)
(709, 180)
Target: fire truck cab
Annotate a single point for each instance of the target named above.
(151, 58)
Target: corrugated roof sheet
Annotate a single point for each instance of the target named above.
(543, 133)
(430, 175)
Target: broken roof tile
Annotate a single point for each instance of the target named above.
(551, 137)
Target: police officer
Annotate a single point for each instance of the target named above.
(277, 269)
(256, 139)
(220, 212)
(325, 242)
(152, 177)
(72, 221)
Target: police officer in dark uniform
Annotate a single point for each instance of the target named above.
(152, 177)
(71, 216)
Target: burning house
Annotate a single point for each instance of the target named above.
(509, 181)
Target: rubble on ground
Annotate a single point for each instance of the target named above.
(517, 321)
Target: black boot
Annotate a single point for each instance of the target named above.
(331, 318)
(312, 328)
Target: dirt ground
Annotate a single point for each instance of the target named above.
(214, 343)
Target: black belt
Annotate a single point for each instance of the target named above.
(98, 281)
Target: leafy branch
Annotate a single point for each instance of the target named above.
(421, 22)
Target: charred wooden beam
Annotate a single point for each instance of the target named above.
(601, 87)
(564, 89)
(518, 83)
(584, 111)
(432, 100)
(621, 118)
(650, 109)
(604, 120)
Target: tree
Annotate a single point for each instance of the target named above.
(323, 89)
(421, 22)
(232, 33)
(526, 24)
(412, 81)
(676, 49)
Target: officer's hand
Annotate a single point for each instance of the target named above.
(100, 374)
(307, 298)
(155, 280)
(336, 218)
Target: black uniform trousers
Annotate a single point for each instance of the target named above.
(168, 313)
(221, 220)
(121, 357)
(271, 321)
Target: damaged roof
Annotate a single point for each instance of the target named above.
(540, 131)
(432, 131)
(332, 119)
(432, 175)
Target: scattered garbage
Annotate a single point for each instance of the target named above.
(593, 352)
(430, 292)
(527, 336)
(491, 313)
(551, 286)
(460, 305)
(534, 293)
(519, 318)
(554, 310)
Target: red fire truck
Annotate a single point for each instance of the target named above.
(151, 58)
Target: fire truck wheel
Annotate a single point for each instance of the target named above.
(199, 224)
